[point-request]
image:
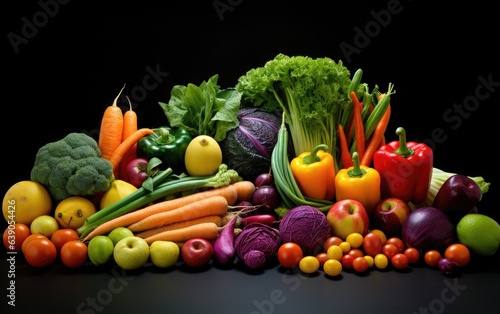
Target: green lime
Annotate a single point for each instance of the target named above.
(480, 233)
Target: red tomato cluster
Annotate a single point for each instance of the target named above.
(41, 251)
(361, 253)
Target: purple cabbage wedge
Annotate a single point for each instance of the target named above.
(257, 244)
(248, 147)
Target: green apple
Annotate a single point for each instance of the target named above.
(119, 233)
(131, 253)
(100, 250)
(44, 224)
(164, 254)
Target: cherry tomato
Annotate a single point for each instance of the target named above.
(356, 253)
(290, 254)
(322, 257)
(30, 238)
(347, 261)
(381, 235)
(61, 236)
(458, 253)
(389, 250)
(400, 261)
(309, 264)
(40, 252)
(413, 255)
(360, 264)
(355, 239)
(398, 243)
(74, 253)
(331, 241)
(372, 244)
(380, 261)
(334, 252)
(14, 235)
(332, 267)
(432, 258)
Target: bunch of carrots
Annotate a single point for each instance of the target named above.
(119, 135)
(198, 214)
(365, 127)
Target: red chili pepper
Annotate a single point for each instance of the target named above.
(405, 169)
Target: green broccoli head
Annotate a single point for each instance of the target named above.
(72, 166)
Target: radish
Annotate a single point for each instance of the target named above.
(266, 219)
(224, 249)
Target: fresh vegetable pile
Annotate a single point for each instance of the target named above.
(289, 167)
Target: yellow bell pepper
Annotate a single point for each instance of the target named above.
(314, 173)
(360, 183)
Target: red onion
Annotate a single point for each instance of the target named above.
(264, 179)
(428, 228)
(267, 196)
(447, 267)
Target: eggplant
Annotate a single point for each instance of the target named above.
(458, 194)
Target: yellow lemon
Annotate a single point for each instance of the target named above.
(203, 156)
(71, 212)
(26, 200)
(118, 190)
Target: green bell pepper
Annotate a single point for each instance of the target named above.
(168, 144)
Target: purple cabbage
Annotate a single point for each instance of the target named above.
(307, 226)
(248, 147)
(257, 244)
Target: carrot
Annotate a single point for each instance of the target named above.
(244, 190)
(124, 146)
(359, 129)
(377, 138)
(215, 205)
(178, 225)
(227, 191)
(207, 230)
(110, 134)
(129, 127)
(345, 154)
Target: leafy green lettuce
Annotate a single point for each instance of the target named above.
(203, 110)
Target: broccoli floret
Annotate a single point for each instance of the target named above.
(72, 166)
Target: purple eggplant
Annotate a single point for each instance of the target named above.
(458, 194)
(224, 250)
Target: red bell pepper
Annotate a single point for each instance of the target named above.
(405, 169)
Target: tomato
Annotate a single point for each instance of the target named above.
(398, 243)
(332, 267)
(356, 253)
(370, 260)
(14, 235)
(30, 238)
(290, 254)
(389, 250)
(413, 255)
(360, 264)
(347, 261)
(381, 235)
(345, 246)
(331, 241)
(74, 253)
(458, 253)
(309, 264)
(61, 236)
(400, 261)
(322, 257)
(40, 252)
(334, 252)
(380, 261)
(355, 239)
(372, 244)
(432, 258)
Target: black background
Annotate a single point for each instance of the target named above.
(74, 62)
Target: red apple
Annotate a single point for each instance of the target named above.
(136, 172)
(389, 215)
(348, 216)
(197, 252)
